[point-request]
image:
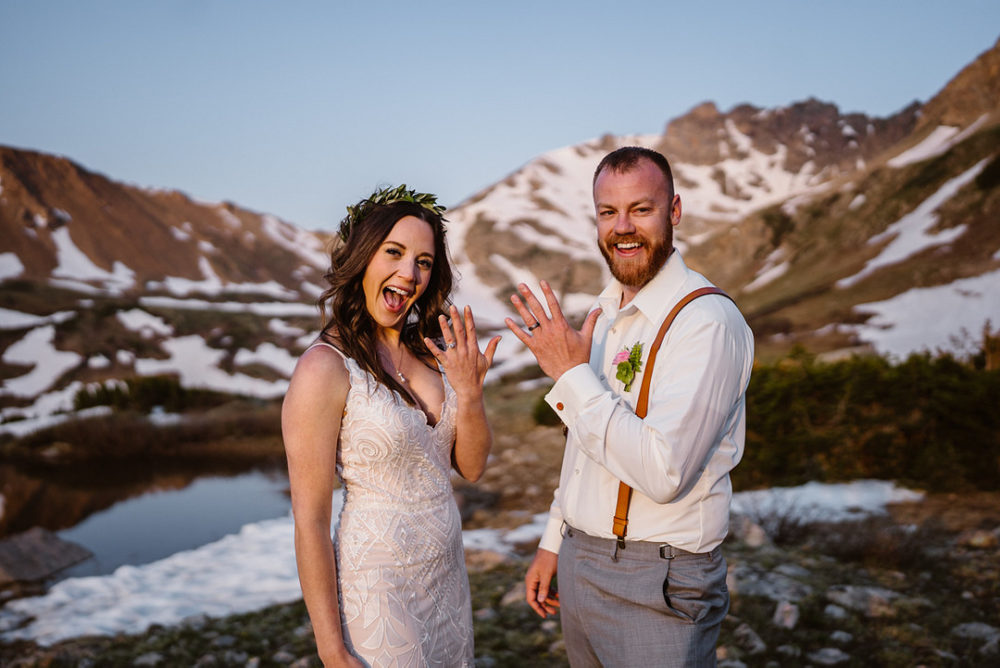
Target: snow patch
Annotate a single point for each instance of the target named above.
(282, 328)
(10, 266)
(212, 285)
(267, 354)
(928, 319)
(278, 309)
(229, 218)
(37, 349)
(304, 244)
(146, 324)
(182, 233)
(10, 319)
(73, 264)
(196, 363)
(767, 275)
(816, 501)
(22, 428)
(98, 362)
(937, 142)
(256, 568)
(909, 235)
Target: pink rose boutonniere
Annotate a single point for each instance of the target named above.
(629, 363)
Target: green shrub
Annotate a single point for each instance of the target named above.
(929, 421)
(142, 393)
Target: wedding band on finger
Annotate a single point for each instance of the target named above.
(535, 326)
(451, 345)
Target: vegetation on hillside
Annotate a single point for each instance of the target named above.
(929, 421)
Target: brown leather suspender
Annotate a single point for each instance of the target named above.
(620, 525)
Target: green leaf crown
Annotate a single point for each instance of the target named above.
(384, 197)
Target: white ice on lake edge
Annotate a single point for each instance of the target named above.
(256, 568)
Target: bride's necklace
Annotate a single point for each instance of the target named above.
(399, 367)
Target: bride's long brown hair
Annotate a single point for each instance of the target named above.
(349, 325)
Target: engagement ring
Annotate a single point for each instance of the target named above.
(451, 345)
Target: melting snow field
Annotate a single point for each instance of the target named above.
(929, 318)
(911, 233)
(256, 568)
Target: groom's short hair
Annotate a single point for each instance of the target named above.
(627, 157)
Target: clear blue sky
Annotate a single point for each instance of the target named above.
(299, 108)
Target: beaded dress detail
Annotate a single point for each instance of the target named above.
(404, 591)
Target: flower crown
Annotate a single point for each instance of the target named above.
(384, 197)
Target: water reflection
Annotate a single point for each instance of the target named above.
(158, 524)
(140, 511)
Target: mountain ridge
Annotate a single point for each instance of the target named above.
(824, 225)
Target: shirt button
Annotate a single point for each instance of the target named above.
(603, 377)
(559, 406)
(577, 471)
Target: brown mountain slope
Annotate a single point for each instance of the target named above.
(155, 234)
(973, 92)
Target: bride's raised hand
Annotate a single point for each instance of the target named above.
(461, 358)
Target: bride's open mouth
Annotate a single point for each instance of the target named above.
(395, 298)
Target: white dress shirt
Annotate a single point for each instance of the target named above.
(678, 458)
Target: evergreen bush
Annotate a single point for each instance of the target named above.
(930, 421)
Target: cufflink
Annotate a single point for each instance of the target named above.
(559, 406)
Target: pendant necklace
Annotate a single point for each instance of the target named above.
(399, 367)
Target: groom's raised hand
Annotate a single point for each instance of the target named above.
(555, 344)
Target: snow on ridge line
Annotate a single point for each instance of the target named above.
(942, 138)
(255, 568)
(296, 240)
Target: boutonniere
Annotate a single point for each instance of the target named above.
(629, 363)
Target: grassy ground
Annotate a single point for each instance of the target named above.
(923, 552)
(941, 580)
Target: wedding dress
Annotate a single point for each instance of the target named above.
(403, 587)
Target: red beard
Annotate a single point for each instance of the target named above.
(636, 272)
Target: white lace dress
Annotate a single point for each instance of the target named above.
(404, 591)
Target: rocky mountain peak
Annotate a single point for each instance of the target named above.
(973, 92)
(811, 132)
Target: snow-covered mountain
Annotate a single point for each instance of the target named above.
(833, 230)
(825, 226)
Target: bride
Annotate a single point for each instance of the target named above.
(378, 403)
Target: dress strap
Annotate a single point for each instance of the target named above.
(328, 345)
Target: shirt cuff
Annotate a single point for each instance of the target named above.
(573, 391)
(552, 536)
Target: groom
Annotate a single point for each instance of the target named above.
(657, 595)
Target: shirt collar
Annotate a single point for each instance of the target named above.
(654, 298)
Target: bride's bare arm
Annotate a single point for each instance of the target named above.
(310, 426)
(466, 368)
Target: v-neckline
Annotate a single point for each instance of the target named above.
(416, 406)
(445, 386)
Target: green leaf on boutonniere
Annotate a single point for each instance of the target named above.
(625, 375)
(628, 369)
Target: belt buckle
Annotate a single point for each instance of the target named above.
(666, 551)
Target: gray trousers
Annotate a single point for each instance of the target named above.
(643, 609)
